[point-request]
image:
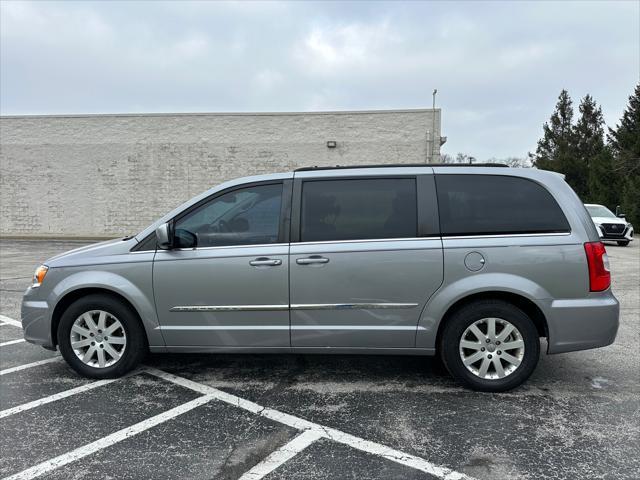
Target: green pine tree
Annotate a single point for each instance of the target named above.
(593, 172)
(555, 150)
(625, 144)
(603, 179)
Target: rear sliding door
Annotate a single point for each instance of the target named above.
(363, 261)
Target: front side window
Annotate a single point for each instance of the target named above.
(496, 205)
(246, 216)
(358, 209)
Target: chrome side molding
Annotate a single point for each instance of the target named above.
(350, 306)
(228, 308)
(297, 306)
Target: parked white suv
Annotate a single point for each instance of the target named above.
(610, 226)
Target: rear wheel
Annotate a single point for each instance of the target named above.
(490, 345)
(100, 337)
(623, 243)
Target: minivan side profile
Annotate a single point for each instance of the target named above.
(472, 263)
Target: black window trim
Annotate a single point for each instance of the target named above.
(283, 226)
(428, 218)
(427, 221)
(142, 246)
(547, 232)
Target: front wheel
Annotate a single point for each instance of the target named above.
(100, 337)
(623, 243)
(490, 345)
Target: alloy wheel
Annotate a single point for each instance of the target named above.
(491, 348)
(98, 338)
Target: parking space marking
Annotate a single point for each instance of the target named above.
(29, 365)
(55, 397)
(281, 455)
(11, 342)
(81, 452)
(67, 393)
(358, 443)
(281, 417)
(10, 321)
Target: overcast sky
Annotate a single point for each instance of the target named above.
(498, 66)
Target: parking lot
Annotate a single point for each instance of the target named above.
(315, 417)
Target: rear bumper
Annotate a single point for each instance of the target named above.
(36, 323)
(581, 324)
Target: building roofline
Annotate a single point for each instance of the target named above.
(223, 114)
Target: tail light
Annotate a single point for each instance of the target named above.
(599, 275)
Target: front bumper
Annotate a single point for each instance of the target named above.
(36, 319)
(581, 324)
(625, 234)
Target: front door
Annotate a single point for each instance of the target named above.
(232, 290)
(360, 271)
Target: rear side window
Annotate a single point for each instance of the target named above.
(496, 205)
(358, 209)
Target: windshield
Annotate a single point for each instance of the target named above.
(600, 211)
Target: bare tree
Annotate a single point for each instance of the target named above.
(515, 162)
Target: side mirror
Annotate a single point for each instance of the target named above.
(184, 239)
(621, 215)
(164, 237)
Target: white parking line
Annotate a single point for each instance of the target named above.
(55, 397)
(10, 321)
(11, 342)
(81, 452)
(67, 393)
(290, 420)
(29, 365)
(281, 455)
(367, 446)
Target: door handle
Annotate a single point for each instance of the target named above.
(265, 262)
(312, 260)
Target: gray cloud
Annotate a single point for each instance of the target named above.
(498, 66)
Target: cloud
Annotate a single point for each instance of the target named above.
(268, 79)
(327, 49)
(498, 66)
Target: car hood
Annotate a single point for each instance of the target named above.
(599, 220)
(102, 252)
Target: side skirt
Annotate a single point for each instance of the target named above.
(298, 350)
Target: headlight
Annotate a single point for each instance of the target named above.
(38, 277)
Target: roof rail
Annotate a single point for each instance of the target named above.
(387, 165)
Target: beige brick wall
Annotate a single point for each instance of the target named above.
(111, 175)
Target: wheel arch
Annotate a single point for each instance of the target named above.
(132, 286)
(70, 297)
(525, 304)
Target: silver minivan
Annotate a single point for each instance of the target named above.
(474, 264)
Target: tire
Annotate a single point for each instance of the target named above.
(129, 338)
(480, 314)
(623, 243)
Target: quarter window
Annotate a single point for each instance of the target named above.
(245, 216)
(358, 209)
(494, 204)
